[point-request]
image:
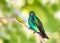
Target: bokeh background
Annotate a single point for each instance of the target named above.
(48, 11)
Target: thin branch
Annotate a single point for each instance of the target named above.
(14, 19)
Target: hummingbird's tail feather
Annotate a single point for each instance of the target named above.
(42, 32)
(43, 35)
(46, 36)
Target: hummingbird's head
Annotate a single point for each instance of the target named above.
(31, 13)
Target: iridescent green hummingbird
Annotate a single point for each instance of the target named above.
(36, 25)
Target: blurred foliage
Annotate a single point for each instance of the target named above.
(12, 32)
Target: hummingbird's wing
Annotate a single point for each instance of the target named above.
(40, 27)
(39, 24)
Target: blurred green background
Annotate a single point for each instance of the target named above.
(48, 11)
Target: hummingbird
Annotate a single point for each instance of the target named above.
(36, 25)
